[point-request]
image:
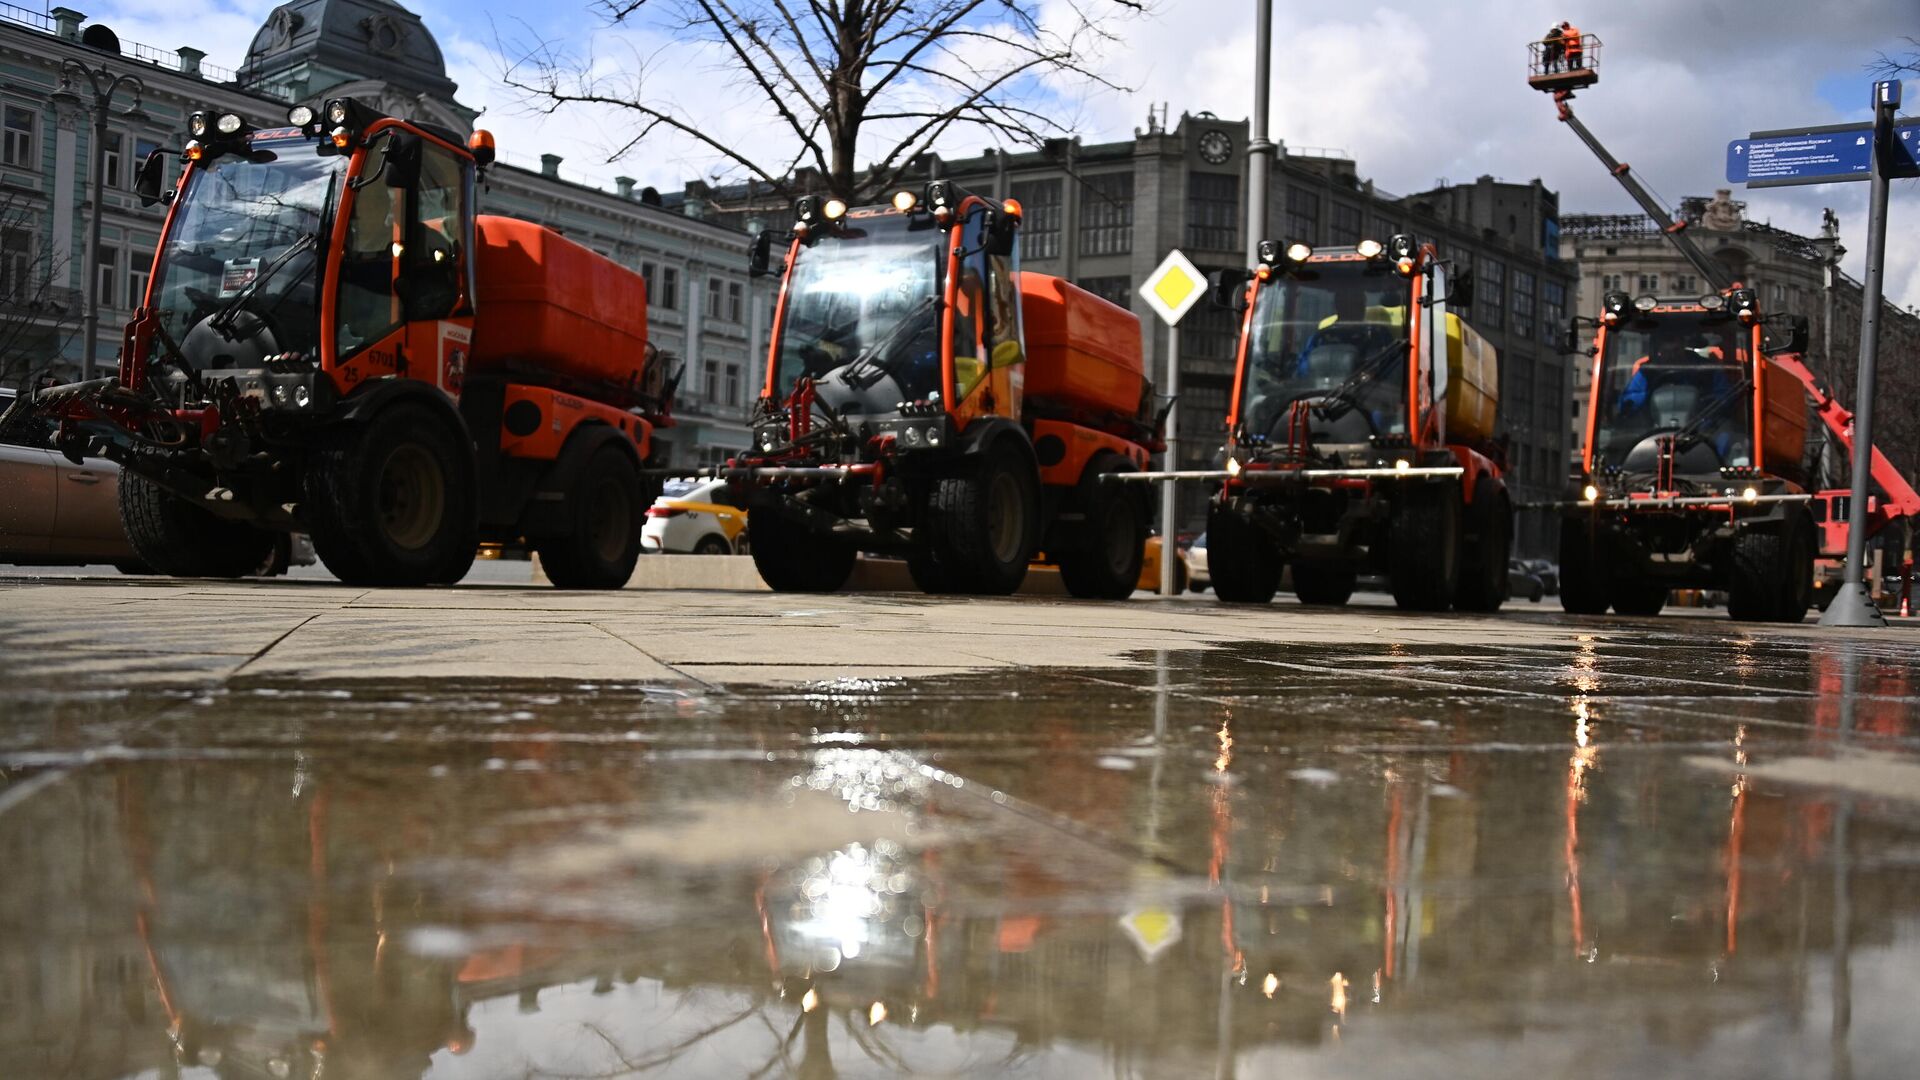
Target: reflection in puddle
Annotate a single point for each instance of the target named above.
(933, 878)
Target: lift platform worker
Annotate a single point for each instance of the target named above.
(1570, 41)
(1553, 49)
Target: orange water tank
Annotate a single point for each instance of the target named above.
(545, 303)
(1083, 353)
(1783, 424)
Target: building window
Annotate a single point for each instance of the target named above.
(17, 148)
(1611, 282)
(716, 292)
(1490, 302)
(1114, 290)
(1040, 221)
(1384, 229)
(112, 160)
(670, 288)
(1344, 226)
(1649, 283)
(1685, 284)
(139, 266)
(1106, 214)
(107, 276)
(16, 264)
(732, 384)
(1213, 211)
(736, 302)
(1523, 303)
(1553, 310)
(1303, 216)
(648, 272)
(1209, 333)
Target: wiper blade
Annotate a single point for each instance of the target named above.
(223, 319)
(1362, 375)
(1688, 435)
(883, 348)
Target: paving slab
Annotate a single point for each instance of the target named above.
(290, 828)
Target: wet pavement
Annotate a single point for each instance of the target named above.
(1283, 842)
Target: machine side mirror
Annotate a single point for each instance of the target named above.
(1573, 340)
(147, 182)
(1462, 292)
(1000, 232)
(1796, 336)
(1227, 289)
(760, 255)
(401, 161)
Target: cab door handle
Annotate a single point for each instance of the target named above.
(81, 476)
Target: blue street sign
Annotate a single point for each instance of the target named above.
(1818, 155)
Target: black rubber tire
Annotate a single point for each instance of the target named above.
(1482, 584)
(1323, 583)
(606, 507)
(1103, 562)
(392, 502)
(792, 557)
(1802, 551)
(1423, 557)
(1585, 588)
(176, 538)
(929, 573)
(1754, 588)
(133, 568)
(713, 544)
(1772, 572)
(1196, 587)
(1244, 566)
(985, 522)
(1641, 599)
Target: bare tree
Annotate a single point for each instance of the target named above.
(37, 312)
(907, 72)
(1895, 64)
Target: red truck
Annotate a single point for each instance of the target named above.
(334, 342)
(926, 398)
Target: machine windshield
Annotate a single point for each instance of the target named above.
(238, 278)
(1334, 334)
(1684, 375)
(863, 315)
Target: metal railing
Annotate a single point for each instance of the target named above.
(26, 17)
(131, 50)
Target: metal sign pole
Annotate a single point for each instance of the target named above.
(1169, 508)
(1852, 605)
(1260, 149)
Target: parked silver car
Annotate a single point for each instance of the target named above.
(53, 512)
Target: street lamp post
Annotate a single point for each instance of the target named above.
(105, 84)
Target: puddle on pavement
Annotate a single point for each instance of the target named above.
(1623, 858)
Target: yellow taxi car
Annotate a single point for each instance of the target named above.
(687, 519)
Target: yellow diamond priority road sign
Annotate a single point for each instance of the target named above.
(1174, 287)
(1153, 929)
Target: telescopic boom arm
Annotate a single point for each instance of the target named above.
(1712, 272)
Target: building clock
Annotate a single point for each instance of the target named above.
(1215, 147)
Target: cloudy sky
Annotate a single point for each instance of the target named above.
(1416, 90)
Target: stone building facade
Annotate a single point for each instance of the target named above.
(1631, 252)
(702, 309)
